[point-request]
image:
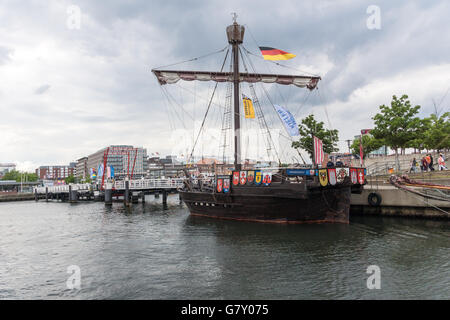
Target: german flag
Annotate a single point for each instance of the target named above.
(275, 54)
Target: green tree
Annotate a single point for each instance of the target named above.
(369, 143)
(20, 176)
(310, 127)
(397, 125)
(70, 179)
(437, 134)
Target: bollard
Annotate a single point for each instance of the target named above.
(143, 196)
(164, 197)
(73, 196)
(35, 195)
(134, 197)
(46, 194)
(108, 193)
(70, 194)
(126, 197)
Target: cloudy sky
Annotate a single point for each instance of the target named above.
(68, 91)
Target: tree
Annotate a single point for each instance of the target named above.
(397, 125)
(437, 133)
(369, 144)
(19, 176)
(310, 127)
(70, 179)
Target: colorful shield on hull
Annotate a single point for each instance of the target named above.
(361, 176)
(219, 185)
(226, 185)
(243, 177)
(332, 176)
(235, 178)
(354, 175)
(267, 178)
(258, 177)
(323, 177)
(250, 177)
(341, 173)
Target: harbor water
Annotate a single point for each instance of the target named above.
(147, 251)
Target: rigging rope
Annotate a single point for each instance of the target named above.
(207, 110)
(193, 59)
(261, 115)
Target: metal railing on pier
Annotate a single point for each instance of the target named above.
(81, 187)
(148, 184)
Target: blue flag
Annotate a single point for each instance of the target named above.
(288, 120)
(100, 170)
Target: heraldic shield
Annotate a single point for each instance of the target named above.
(250, 177)
(235, 178)
(341, 174)
(219, 185)
(323, 177)
(332, 176)
(243, 177)
(226, 185)
(361, 176)
(354, 175)
(258, 177)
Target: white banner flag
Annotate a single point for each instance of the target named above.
(288, 120)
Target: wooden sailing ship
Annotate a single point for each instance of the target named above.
(289, 195)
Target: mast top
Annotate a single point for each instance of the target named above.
(235, 32)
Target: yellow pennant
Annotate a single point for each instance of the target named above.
(248, 108)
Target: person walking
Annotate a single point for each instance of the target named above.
(413, 165)
(441, 163)
(430, 165)
(424, 164)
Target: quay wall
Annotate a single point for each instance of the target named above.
(18, 197)
(397, 202)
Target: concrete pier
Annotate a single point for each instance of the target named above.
(108, 193)
(398, 202)
(164, 200)
(126, 196)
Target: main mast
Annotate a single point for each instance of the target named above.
(235, 34)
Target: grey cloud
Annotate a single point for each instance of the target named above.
(119, 42)
(42, 89)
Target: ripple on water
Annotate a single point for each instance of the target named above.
(147, 251)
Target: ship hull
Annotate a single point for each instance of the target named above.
(272, 204)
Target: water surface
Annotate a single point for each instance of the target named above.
(151, 252)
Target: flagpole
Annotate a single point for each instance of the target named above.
(360, 151)
(314, 151)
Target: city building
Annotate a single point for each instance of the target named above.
(6, 167)
(81, 168)
(125, 159)
(55, 172)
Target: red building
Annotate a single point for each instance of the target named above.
(55, 172)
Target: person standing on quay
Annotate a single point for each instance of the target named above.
(413, 165)
(441, 163)
(424, 164)
(430, 164)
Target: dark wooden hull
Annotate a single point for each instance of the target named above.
(277, 203)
